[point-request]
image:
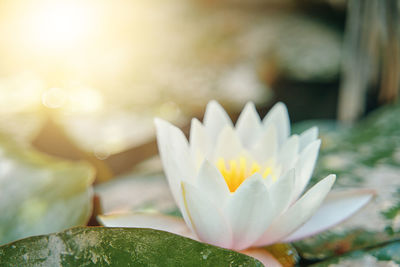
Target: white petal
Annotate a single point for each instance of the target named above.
(249, 211)
(298, 213)
(228, 146)
(278, 116)
(248, 125)
(266, 146)
(161, 222)
(215, 119)
(337, 207)
(175, 156)
(198, 142)
(211, 182)
(208, 222)
(307, 137)
(288, 154)
(305, 167)
(281, 192)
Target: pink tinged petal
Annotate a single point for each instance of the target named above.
(278, 116)
(208, 222)
(248, 126)
(298, 213)
(337, 207)
(249, 211)
(263, 256)
(212, 183)
(161, 222)
(307, 137)
(305, 167)
(281, 192)
(288, 154)
(228, 146)
(198, 142)
(215, 119)
(266, 146)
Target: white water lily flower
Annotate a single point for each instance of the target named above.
(242, 186)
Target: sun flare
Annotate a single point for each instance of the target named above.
(59, 24)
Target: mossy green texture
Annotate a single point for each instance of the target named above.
(364, 156)
(386, 254)
(100, 246)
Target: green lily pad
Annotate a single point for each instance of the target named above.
(386, 255)
(98, 246)
(40, 194)
(365, 156)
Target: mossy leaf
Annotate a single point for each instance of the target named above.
(100, 246)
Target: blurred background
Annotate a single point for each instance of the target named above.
(98, 72)
(82, 80)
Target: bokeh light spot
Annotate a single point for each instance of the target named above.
(54, 98)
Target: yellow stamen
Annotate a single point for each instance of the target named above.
(237, 171)
(233, 172)
(242, 166)
(267, 172)
(222, 167)
(255, 168)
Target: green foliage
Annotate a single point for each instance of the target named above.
(98, 246)
(369, 257)
(364, 156)
(392, 212)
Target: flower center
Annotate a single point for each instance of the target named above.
(236, 171)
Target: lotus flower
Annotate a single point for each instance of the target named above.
(242, 186)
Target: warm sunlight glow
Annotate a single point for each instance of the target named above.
(79, 99)
(91, 55)
(54, 98)
(85, 100)
(59, 24)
